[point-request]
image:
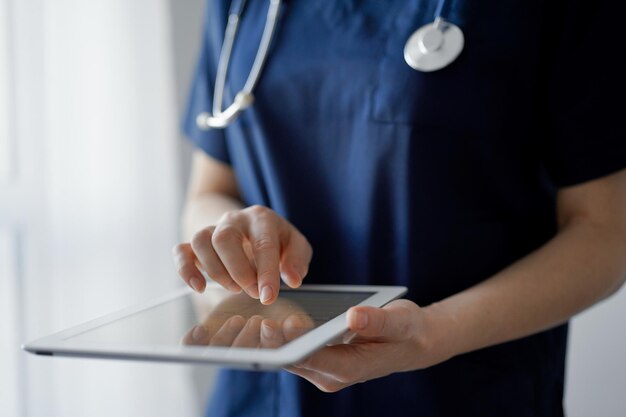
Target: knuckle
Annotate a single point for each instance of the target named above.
(225, 234)
(264, 243)
(404, 328)
(231, 216)
(202, 238)
(406, 319)
(259, 211)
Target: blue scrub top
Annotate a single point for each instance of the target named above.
(435, 181)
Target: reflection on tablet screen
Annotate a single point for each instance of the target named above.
(220, 318)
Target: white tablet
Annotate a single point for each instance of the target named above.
(220, 327)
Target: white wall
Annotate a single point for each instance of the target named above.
(11, 384)
(596, 374)
(89, 211)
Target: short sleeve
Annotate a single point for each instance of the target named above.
(586, 90)
(212, 141)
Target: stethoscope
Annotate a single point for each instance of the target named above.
(430, 48)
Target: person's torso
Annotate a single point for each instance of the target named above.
(434, 180)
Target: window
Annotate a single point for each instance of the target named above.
(6, 138)
(10, 360)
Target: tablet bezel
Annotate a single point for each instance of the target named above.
(58, 344)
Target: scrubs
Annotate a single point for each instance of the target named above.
(435, 181)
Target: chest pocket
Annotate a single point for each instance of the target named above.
(406, 96)
(475, 92)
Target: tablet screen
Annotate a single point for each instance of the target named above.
(220, 318)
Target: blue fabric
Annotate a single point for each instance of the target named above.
(435, 180)
(254, 394)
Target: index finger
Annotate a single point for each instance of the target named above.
(266, 247)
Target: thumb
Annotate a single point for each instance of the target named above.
(390, 322)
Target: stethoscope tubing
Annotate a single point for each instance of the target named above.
(221, 118)
(416, 53)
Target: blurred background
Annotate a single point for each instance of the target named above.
(92, 176)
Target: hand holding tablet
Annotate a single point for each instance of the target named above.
(249, 250)
(230, 327)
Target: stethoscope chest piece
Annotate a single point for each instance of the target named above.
(434, 46)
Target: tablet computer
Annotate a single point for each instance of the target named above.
(220, 327)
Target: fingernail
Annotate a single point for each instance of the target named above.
(360, 320)
(198, 333)
(267, 331)
(292, 278)
(196, 284)
(301, 273)
(266, 294)
(297, 279)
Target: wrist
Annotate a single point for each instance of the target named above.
(438, 334)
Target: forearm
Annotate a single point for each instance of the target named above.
(205, 210)
(580, 266)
